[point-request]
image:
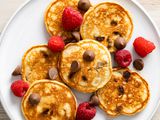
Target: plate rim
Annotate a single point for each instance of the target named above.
(26, 3)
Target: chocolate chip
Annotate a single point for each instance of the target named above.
(126, 74)
(45, 54)
(34, 98)
(120, 43)
(138, 64)
(45, 111)
(53, 73)
(115, 80)
(94, 100)
(108, 39)
(84, 78)
(71, 74)
(121, 90)
(17, 71)
(75, 66)
(89, 55)
(84, 5)
(119, 109)
(114, 23)
(117, 33)
(100, 39)
(76, 35)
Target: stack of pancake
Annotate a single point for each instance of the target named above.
(120, 91)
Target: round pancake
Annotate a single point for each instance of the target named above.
(92, 75)
(57, 102)
(36, 63)
(124, 96)
(53, 17)
(108, 20)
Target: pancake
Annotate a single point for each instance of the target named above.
(109, 21)
(36, 63)
(124, 95)
(53, 17)
(92, 75)
(57, 102)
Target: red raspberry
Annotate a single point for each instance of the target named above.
(56, 44)
(85, 111)
(123, 58)
(143, 47)
(19, 88)
(71, 19)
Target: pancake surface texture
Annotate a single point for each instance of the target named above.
(36, 63)
(124, 96)
(108, 20)
(53, 17)
(92, 75)
(57, 102)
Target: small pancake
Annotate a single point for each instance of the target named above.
(92, 75)
(36, 63)
(108, 20)
(57, 102)
(124, 96)
(53, 17)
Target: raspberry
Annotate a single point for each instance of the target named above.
(85, 111)
(71, 19)
(143, 47)
(56, 44)
(123, 58)
(19, 88)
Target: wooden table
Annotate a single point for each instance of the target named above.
(7, 7)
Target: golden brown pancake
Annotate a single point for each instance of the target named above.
(92, 75)
(108, 20)
(126, 93)
(57, 102)
(36, 63)
(53, 17)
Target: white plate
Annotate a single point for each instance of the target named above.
(26, 28)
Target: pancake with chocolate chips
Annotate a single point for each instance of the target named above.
(85, 66)
(126, 93)
(106, 22)
(49, 100)
(53, 17)
(39, 63)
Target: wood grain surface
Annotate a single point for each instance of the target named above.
(7, 8)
